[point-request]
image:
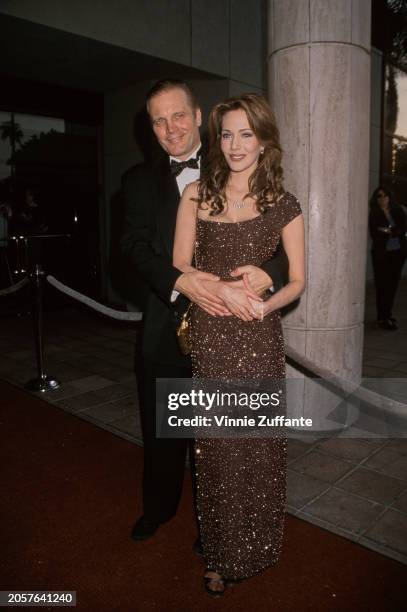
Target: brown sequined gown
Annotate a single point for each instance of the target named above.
(241, 483)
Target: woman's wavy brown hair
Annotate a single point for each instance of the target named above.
(266, 182)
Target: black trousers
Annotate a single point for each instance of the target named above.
(164, 458)
(387, 266)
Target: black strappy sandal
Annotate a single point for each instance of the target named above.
(208, 580)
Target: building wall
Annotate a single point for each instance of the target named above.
(223, 37)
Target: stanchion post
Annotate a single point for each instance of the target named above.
(42, 382)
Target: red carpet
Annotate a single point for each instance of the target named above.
(69, 497)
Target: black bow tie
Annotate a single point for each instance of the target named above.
(178, 166)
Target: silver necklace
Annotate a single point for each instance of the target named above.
(238, 204)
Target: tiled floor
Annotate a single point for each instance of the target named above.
(354, 487)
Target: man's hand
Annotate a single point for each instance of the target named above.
(241, 301)
(258, 279)
(219, 298)
(194, 285)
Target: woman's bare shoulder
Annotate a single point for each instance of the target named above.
(191, 190)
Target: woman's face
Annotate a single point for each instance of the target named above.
(382, 199)
(239, 144)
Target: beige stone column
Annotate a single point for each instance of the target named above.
(319, 87)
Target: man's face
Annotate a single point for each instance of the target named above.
(175, 123)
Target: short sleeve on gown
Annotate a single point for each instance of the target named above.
(285, 210)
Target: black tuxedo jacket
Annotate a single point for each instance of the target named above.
(151, 200)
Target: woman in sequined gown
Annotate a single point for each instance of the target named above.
(231, 220)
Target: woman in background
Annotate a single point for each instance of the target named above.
(387, 226)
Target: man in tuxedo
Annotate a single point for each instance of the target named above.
(152, 192)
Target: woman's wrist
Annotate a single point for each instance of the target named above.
(285, 296)
(268, 306)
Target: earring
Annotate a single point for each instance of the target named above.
(261, 150)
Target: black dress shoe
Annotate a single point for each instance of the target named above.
(197, 547)
(144, 529)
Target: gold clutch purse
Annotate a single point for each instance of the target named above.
(184, 332)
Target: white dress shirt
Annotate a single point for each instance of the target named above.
(188, 175)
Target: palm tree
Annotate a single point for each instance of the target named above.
(395, 33)
(10, 130)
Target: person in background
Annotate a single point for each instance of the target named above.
(387, 226)
(30, 218)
